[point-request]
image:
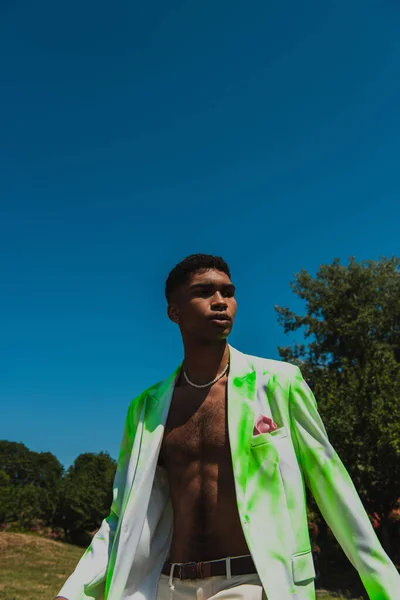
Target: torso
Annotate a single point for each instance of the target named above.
(197, 457)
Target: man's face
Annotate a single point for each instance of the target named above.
(205, 306)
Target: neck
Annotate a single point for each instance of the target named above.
(202, 363)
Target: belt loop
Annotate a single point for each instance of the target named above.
(228, 568)
(199, 570)
(170, 583)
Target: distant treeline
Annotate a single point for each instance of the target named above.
(37, 493)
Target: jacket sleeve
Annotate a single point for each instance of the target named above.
(337, 497)
(87, 582)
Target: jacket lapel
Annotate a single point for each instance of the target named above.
(155, 415)
(242, 392)
(157, 407)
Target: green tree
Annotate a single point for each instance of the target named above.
(33, 484)
(351, 358)
(86, 495)
(4, 495)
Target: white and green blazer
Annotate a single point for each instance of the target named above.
(125, 558)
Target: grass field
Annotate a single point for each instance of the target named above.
(34, 568)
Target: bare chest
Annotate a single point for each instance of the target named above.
(196, 428)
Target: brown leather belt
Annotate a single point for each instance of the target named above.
(241, 565)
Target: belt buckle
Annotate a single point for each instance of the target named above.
(196, 570)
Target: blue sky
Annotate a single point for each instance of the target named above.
(134, 134)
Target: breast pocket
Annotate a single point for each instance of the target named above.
(267, 438)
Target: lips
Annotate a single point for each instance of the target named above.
(220, 317)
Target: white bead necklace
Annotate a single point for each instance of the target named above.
(210, 383)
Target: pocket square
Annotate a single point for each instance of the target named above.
(264, 425)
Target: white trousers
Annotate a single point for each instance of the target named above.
(236, 587)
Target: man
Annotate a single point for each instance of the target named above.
(209, 499)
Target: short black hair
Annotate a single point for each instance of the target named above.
(194, 263)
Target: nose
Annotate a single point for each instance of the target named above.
(218, 302)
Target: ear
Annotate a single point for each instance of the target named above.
(173, 312)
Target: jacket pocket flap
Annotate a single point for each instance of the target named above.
(303, 567)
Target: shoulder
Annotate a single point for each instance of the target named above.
(154, 391)
(285, 375)
(137, 403)
(274, 367)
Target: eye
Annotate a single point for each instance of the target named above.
(228, 293)
(203, 292)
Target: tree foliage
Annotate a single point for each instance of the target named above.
(351, 357)
(34, 487)
(87, 494)
(29, 483)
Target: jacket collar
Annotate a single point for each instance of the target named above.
(241, 390)
(241, 375)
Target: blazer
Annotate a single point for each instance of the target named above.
(125, 558)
